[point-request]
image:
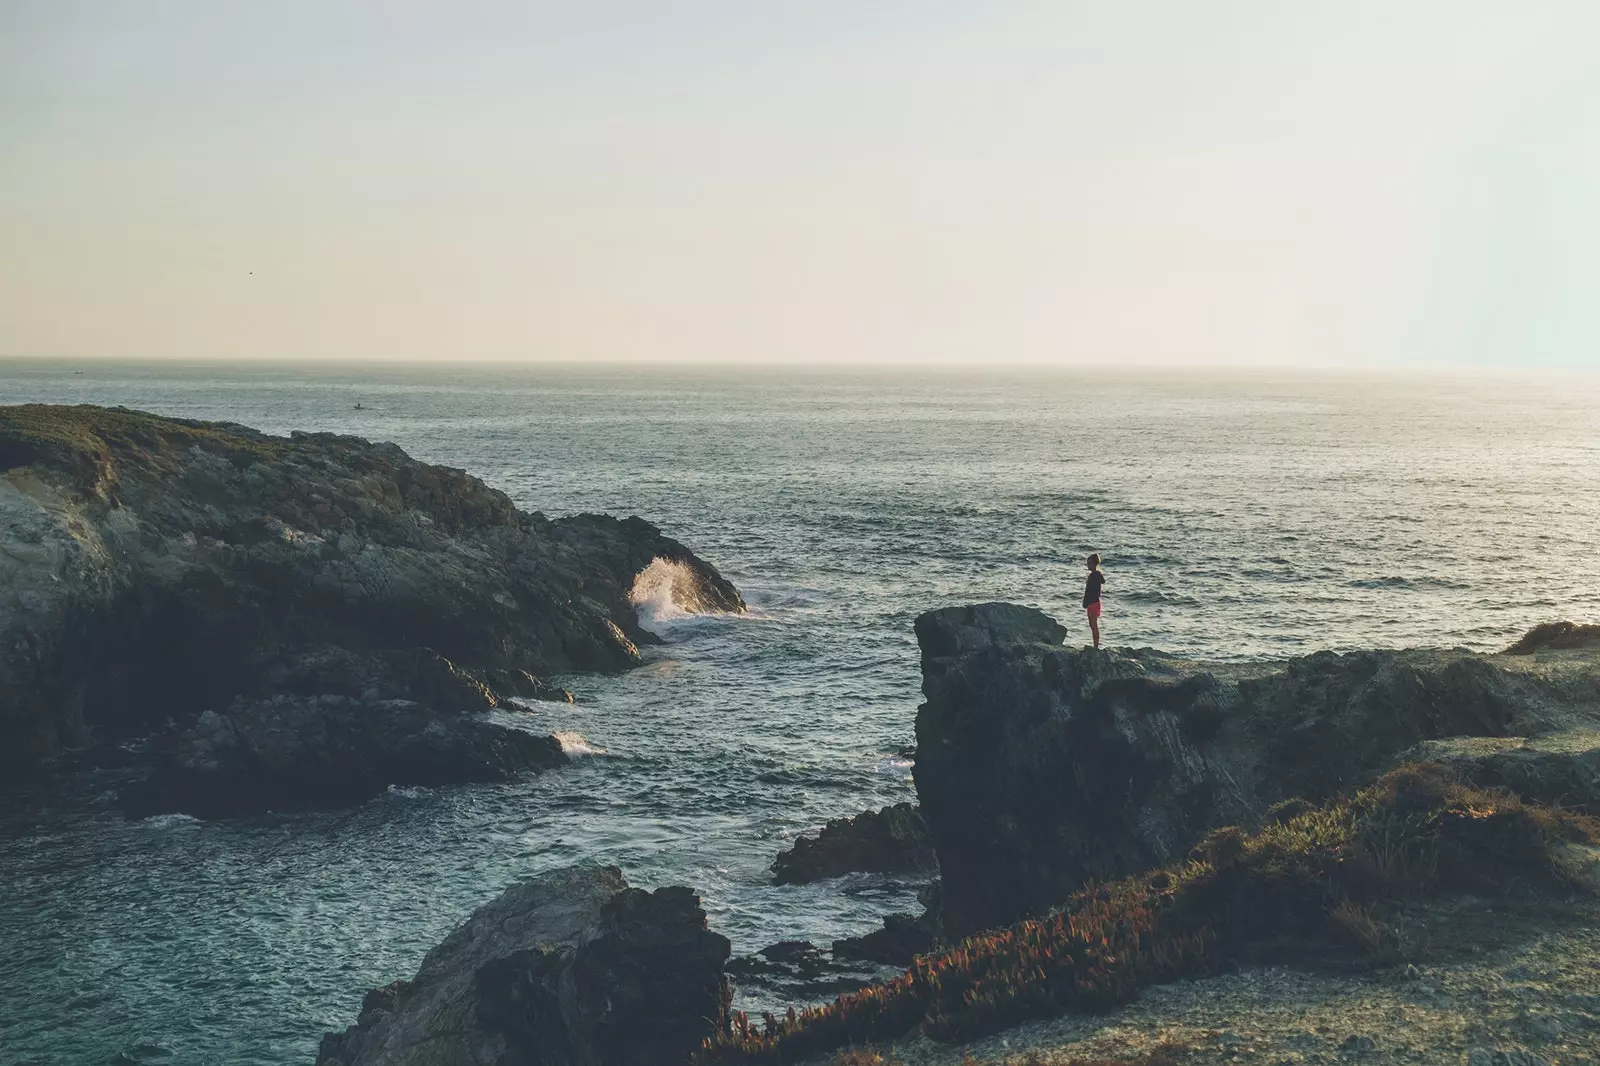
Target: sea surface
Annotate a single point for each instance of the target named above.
(1239, 515)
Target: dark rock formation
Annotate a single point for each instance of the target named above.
(892, 840)
(1556, 636)
(1040, 766)
(299, 588)
(902, 938)
(300, 752)
(572, 968)
(797, 970)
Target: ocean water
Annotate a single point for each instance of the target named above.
(1240, 515)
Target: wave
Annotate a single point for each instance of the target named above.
(1397, 581)
(667, 592)
(575, 746)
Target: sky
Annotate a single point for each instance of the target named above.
(1395, 183)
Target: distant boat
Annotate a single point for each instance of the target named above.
(360, 408)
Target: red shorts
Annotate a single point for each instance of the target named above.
(1093, 609)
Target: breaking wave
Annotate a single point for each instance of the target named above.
(666, 592)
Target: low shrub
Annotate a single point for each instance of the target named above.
(1307, 887)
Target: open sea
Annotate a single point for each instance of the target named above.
(1240, 515)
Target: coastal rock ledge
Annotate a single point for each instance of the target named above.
(572, 968)
(261, 622)
(1040, 767)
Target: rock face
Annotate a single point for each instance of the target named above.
(572, 968)
(902, 938)
(1039, 766)
(333, 603)
(892, 840)
(299, 752)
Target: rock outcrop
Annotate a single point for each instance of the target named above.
(902, 938)
(1039, 766)
(572, 968)
(1556, 636)
(892, 840)
(340, 609)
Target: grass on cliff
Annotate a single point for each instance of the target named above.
(88, 442)
(1312, 885)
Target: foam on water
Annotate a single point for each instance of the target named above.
(575, 745)
(168, 821)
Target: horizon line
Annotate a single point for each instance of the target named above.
(942, 365)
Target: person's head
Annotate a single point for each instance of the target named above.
(1094, 561)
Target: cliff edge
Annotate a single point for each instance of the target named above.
(291, 621)
(1040, 767)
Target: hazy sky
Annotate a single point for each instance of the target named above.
(1234, 181)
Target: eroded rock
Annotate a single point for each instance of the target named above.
(152, 569)
(572, 968)
(892, 840)
(1040, 767)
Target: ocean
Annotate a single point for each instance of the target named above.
(1240, 515)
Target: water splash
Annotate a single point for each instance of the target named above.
(575, 745)
(666, 592)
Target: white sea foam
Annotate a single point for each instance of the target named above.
(575, 745)
(167, 821)
(409, 791)
(666, 592)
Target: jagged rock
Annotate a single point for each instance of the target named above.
(152, 569)
(902, 938)
(793, 970)
(795, 952)
(572, 968)
(1039, 767)
(891, 840)
(298, 752)
(1556, 636)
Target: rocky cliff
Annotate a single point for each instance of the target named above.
(572, 968)
(297, 620)
(1040, 766)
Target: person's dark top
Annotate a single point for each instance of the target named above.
(1091, 588)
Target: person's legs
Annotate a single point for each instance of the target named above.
(1094, 628)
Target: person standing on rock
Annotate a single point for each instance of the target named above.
(1091, 596)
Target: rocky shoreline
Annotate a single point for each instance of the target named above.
(1380, 855)
(242, 622)
(1042, 770)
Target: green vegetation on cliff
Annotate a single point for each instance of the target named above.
(1317, 884)
(90, 442)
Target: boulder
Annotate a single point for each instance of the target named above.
(572, 968)
(1556, 636)
(152, 569)
(892, 840)
(901, 939)
(1040, 767)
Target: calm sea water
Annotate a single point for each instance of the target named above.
(1239, 516)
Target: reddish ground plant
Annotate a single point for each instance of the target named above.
(1310, 886)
